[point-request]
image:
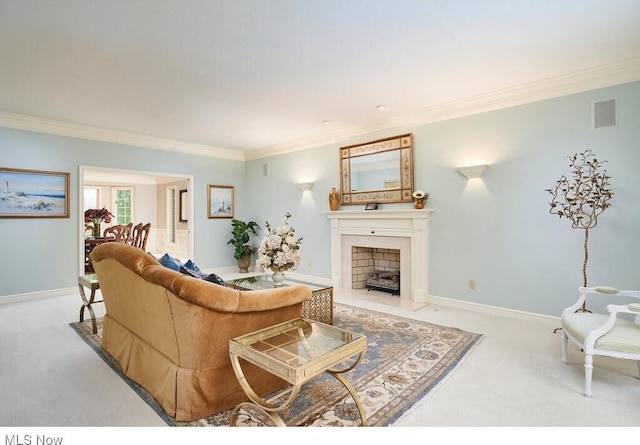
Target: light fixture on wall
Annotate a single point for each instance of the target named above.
(305, 186)
(473, 171)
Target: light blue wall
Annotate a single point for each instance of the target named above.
(497, 231)
(42, 254)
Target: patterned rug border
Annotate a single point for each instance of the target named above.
(93, 340)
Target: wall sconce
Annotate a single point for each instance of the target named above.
(305, 186)
(473, 171)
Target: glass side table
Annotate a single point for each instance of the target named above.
(91, 283)
(319, 307)
(296, 351)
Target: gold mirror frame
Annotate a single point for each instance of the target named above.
(397, 192)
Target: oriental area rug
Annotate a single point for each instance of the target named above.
(405, 360)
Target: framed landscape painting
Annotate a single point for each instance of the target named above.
(220, 201)
(33, 194)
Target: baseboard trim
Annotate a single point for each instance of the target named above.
(494, 310)
(32, 296)
(309, 279)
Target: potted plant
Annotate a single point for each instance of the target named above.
(242, 233)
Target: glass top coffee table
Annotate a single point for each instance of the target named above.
(319, 307)
(296, 351)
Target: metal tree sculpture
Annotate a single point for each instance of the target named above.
(583, 198)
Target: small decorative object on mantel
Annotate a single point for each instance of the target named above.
(97, 216)
(371, 206)
(242, 232)
(334, 199)
(582, 199)
(419, 199)
(279, 250)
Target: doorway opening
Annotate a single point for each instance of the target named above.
(145, 202)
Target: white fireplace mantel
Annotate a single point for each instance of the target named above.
(383, 228)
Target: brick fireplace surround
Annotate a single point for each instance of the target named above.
(405, 230)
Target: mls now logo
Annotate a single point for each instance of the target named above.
(28, 439)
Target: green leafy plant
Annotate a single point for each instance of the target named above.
(242, 233)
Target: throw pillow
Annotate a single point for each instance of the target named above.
(167, 261)
(213, 278)
(191, 266)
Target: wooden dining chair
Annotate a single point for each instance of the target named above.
(135, 234)
(119, 233)
(141, 236)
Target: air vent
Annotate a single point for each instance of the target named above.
(604, 114)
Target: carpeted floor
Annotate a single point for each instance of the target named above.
(405, 360)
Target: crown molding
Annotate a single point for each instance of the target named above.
(49, 126)
(576, 82)
(602, 76)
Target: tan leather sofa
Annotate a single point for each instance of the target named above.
(170, 332)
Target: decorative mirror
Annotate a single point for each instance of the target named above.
(379, 171)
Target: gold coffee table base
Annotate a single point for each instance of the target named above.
(314, 347)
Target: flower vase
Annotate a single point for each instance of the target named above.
(278, 278)
(96, 230)
(278, 275)
(419, 203)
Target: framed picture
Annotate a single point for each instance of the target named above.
(220, 201)
(33, 194)
(184, 201)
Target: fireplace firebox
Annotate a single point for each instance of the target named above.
(387, 281)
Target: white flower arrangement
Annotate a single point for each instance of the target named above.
(419, 194)
(279, 249)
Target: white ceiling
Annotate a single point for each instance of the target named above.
(261, 76)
